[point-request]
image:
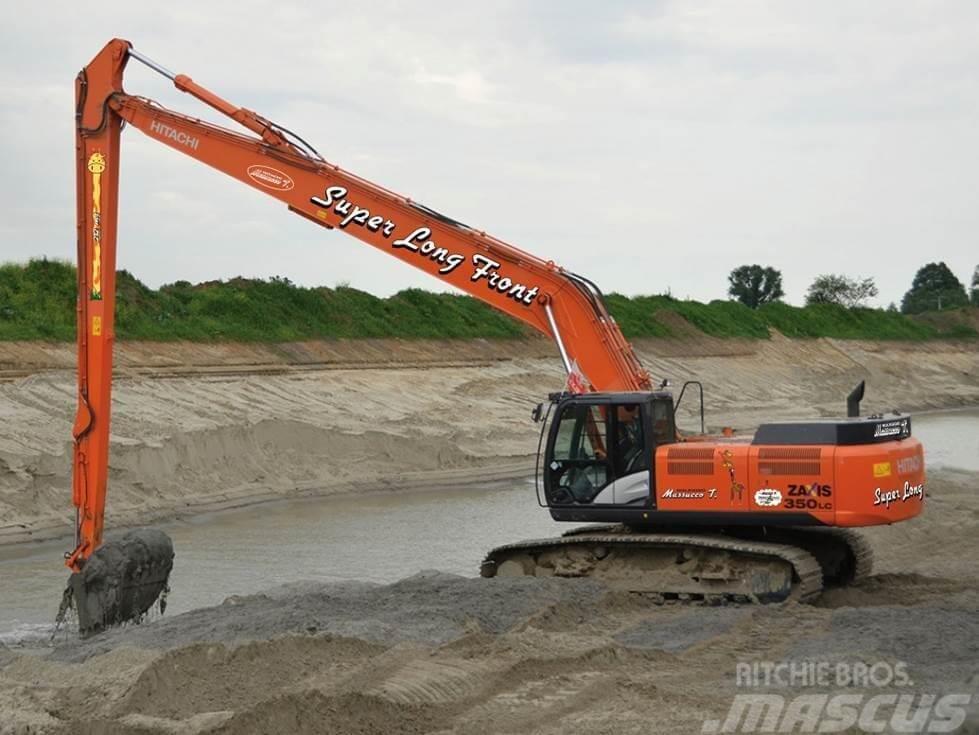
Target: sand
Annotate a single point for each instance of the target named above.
(446, 654)
(200, 427)
(206, 427)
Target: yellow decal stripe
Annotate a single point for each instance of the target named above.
(96, 165)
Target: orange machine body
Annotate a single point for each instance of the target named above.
(859, 485)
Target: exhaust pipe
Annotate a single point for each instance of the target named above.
(853, 400)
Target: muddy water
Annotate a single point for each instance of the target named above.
(951, 438)
(378, 538)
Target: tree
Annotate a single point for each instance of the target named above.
(975, 287)
(934, 287)
(753, 285)
(842, 290)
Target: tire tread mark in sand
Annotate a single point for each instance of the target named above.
(195, 678)
(434, 681)
(541, 685)
(539, 701)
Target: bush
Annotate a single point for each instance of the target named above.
(37, 301)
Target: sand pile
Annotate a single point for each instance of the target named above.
(443, 653)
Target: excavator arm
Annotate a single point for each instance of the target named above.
(556, 302)
(276, 162)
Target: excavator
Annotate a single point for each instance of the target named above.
(673, 516)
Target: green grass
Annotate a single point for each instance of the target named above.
(37, 302)
(830, 320)
(636, 316)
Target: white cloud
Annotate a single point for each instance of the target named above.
(644, 145)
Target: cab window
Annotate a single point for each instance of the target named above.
(579, 467)
(581, 434)
(630, 449)
(663, 430)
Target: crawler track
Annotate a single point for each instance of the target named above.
(690, 567)
(843, 554)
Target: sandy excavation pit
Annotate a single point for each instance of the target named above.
(443, 653)
(219, 426)
(203, 427)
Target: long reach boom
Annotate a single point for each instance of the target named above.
(276, 162)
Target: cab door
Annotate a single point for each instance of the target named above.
(598, 453)
(578, 466)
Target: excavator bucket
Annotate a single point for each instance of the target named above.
(121, 581)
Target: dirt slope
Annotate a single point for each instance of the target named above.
(199, 427)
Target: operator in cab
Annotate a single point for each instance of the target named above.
(627, 444)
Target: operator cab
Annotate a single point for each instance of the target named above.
(601, 447)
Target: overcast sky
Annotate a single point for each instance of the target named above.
(646, 145)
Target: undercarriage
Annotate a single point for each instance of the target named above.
(708, 566)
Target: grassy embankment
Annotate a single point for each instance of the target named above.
(37, 302)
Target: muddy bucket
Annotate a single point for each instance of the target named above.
(121, 581)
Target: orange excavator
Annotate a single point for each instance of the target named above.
(687, 517)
